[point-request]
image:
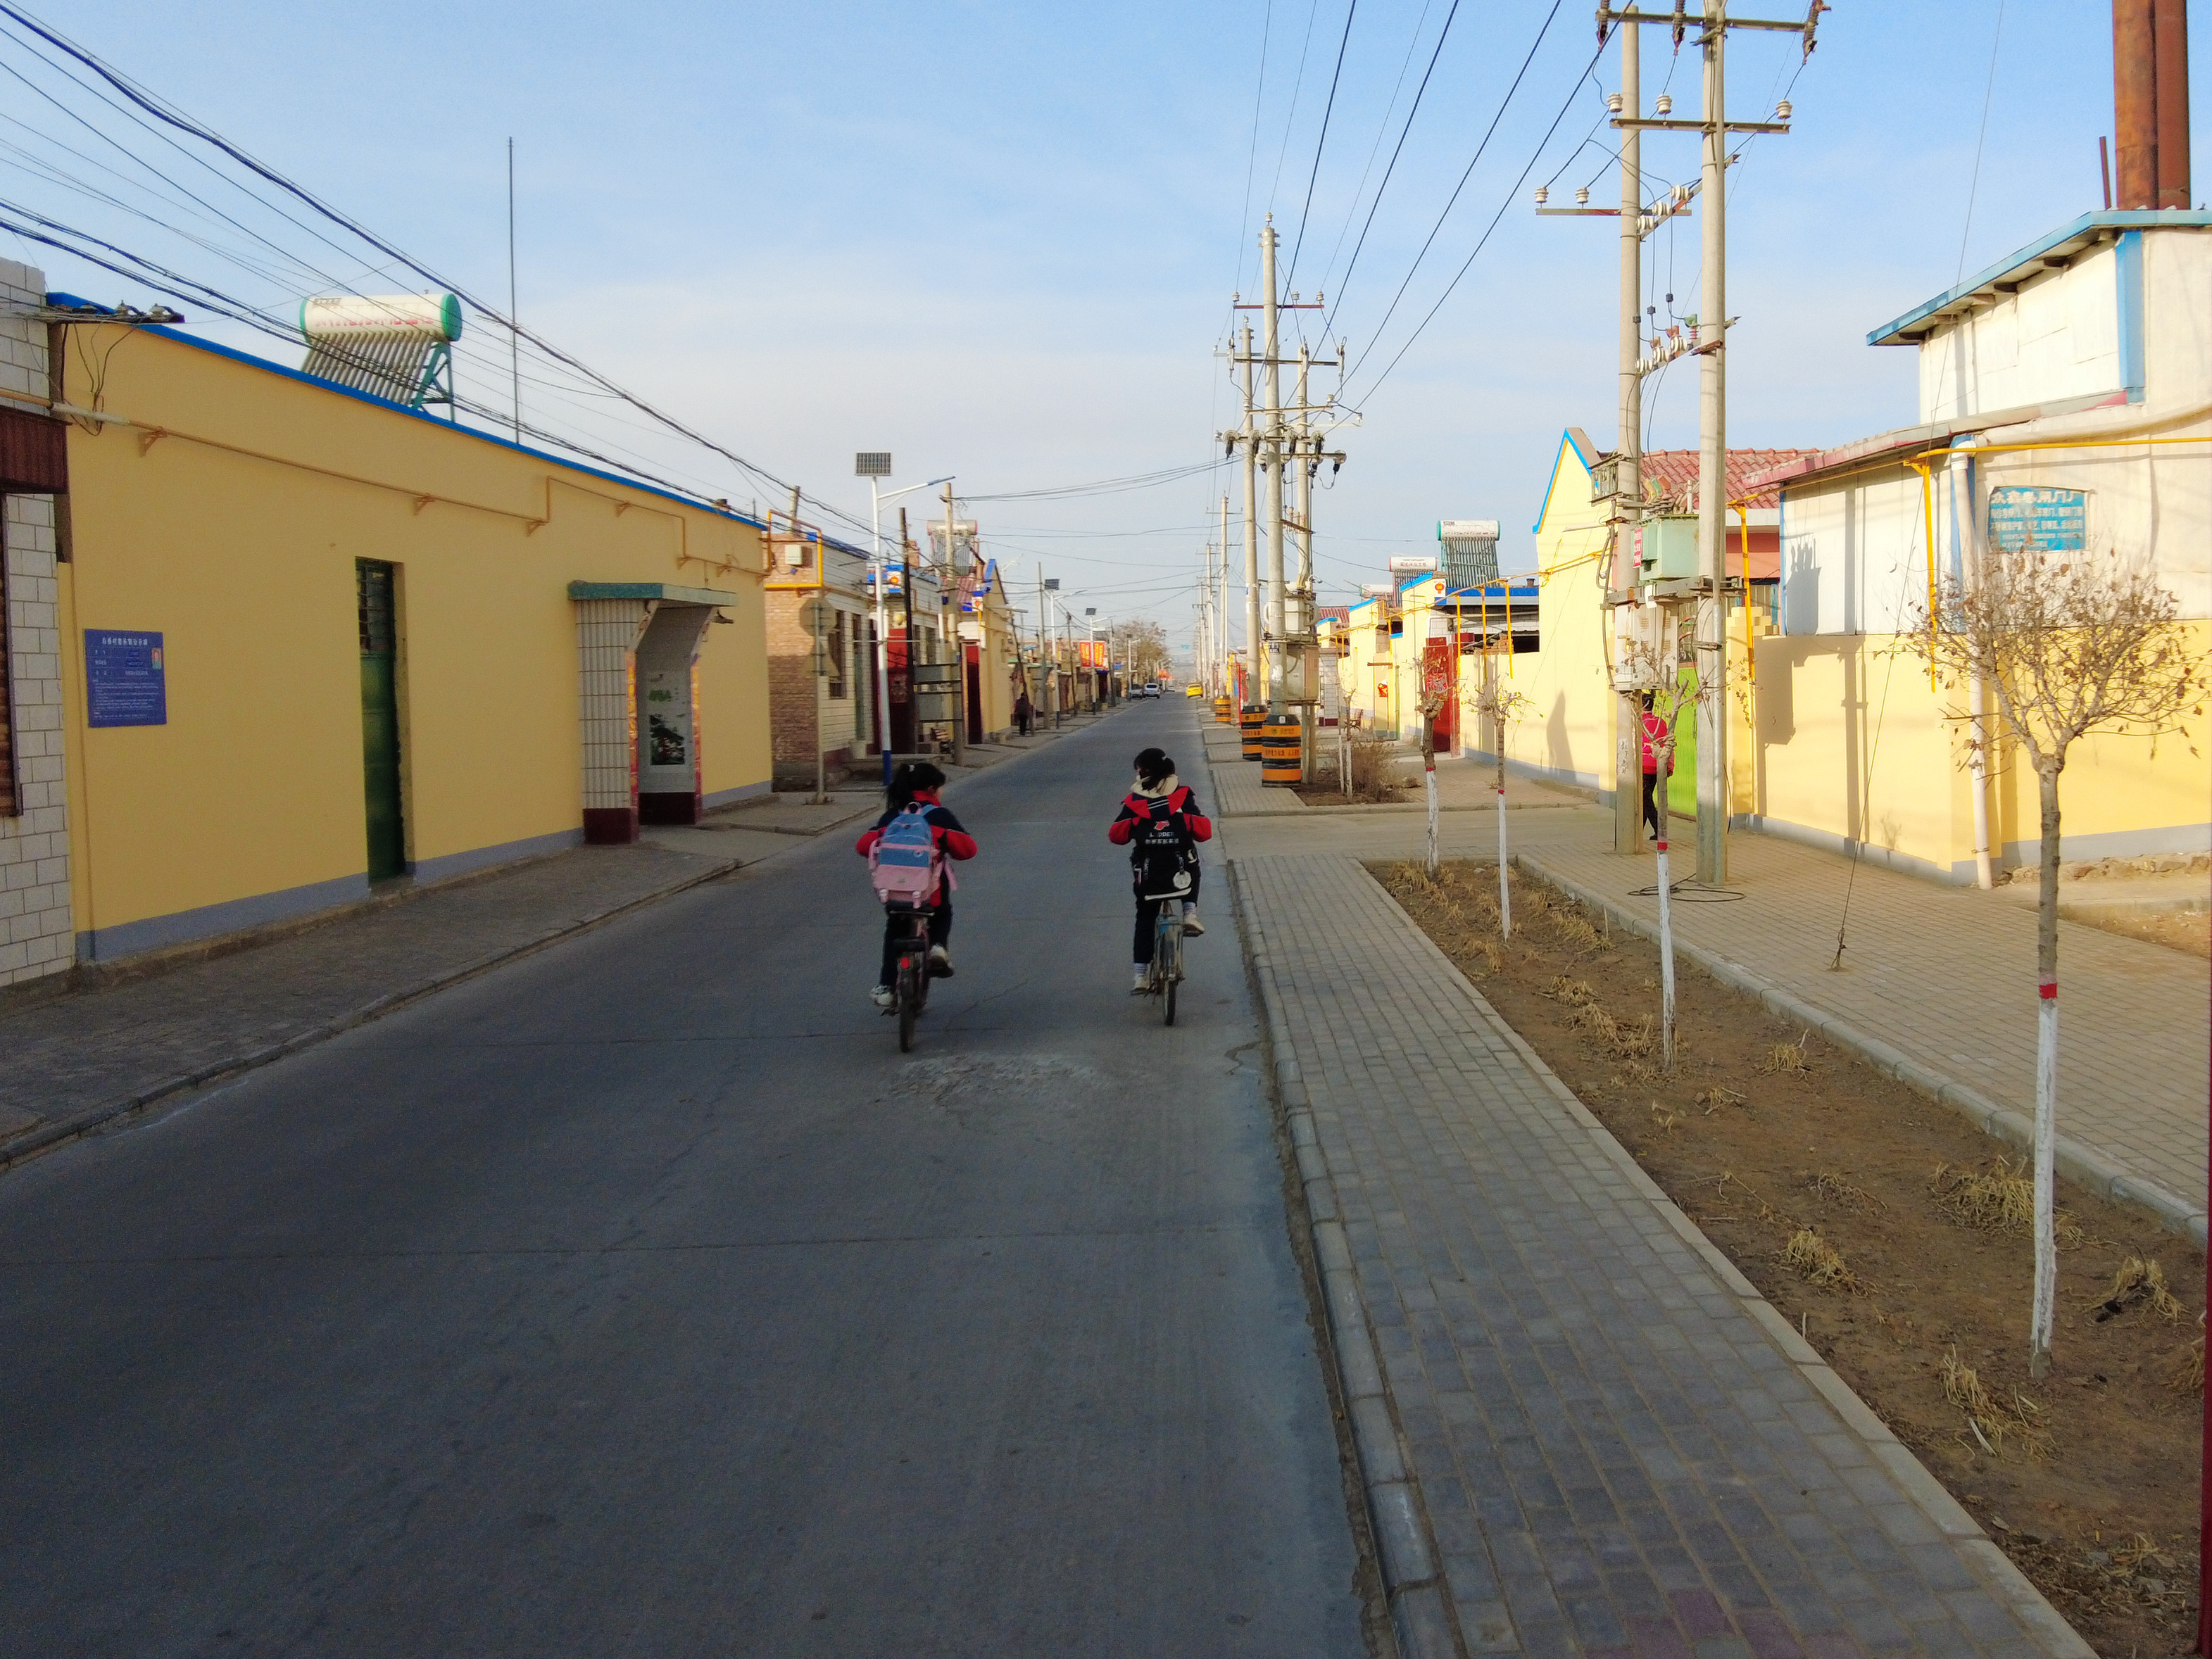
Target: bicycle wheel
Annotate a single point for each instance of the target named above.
(1167, 959)
(909, 1001)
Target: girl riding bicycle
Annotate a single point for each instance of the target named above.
(915, 783)
(1162, 828)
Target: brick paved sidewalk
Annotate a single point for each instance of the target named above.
(1605, 1442)
(77, 1056)
(1945, 976)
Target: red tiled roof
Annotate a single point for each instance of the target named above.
(1670, 476)
(1331, 613)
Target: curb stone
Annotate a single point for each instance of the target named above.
(1421, 1614)
(77, 1125)
(2074, 1161)
(2005, 1581)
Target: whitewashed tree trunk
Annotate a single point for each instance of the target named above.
(2042, 1317)
(1504, 890)
(1666, 961)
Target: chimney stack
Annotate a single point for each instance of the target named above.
(2169, 33)
(2150, 103)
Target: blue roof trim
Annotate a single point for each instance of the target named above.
(2005, 269)
(1566, 442)
(321, 385)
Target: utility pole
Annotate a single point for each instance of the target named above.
(1628, 443)
(948, 610)
(905, 593)
(1228, 686)
(1301, 447)
(1273, 440)
(1712, 467)
(1254, 684)
(1049, 688)
(1709, 594)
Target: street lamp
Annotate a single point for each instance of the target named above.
(871, 465)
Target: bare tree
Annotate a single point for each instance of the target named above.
(1497, 702)
(2067, 646)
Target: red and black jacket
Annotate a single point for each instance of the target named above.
(1148, 825)
(951, 840)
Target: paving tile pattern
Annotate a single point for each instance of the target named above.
(1947, 975)
(1615, 1455)
(63, 1054)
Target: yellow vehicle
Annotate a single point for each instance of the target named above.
(1194, 690)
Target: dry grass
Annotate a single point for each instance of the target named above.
(1851, 1196)
(1633, 1040)
(1999, 1197)
(1820, 1264)
(1711, 1100)
(1993, 1420)
(2138, 1281)
(1787, 1058)
(1373, 776)
(2188, 1374)
(1574, 992)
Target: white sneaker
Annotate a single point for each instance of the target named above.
(1190, 920)
(1143, 981)
(884, 998)
(940, 963)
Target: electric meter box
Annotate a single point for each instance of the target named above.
(1640, 634)
(1667, 549)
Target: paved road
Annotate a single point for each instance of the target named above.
(640, 1299)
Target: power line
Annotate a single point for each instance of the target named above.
(1321, 143)
(1488, 133)
(1531, 166)
(1443, 35)
(183, 123)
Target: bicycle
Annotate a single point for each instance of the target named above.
(911, 981)
(1167, 958)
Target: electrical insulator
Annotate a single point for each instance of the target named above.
(1582, 197)
(1543, 194)
(1646, 224)
(1781, 111)
(1615, 102)
(1664, 104)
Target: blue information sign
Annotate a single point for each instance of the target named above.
(2052, 520)
(124, 682)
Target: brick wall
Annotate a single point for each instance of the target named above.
(802, 714)
(36, 933)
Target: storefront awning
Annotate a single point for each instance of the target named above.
(667, 593)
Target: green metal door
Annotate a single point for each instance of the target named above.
(379, 719)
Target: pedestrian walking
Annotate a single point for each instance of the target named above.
(1654, 742)
(1024, 711)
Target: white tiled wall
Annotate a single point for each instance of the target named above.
(35, 934)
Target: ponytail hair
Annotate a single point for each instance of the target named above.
(1153, 768)
(911, 779)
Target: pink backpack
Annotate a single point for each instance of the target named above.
(904, 864)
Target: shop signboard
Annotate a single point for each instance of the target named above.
(2049, 521)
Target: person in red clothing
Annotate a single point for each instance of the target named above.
(1654, 740)
(919, 782)
(1161, 828)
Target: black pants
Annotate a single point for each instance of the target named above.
(1148, 918)
(1651, 804)
(895, 932)
(1024, 719)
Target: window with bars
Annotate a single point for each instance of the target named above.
(373, 596)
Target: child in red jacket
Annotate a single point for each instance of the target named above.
(918, 781)
(1162, 828)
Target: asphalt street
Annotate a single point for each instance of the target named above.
(640, 1298)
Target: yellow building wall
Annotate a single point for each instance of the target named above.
(227, 517)
(1566, 731)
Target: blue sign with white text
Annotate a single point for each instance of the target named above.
(124, 682)
(2050, 520)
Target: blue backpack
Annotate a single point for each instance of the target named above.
(904, 864)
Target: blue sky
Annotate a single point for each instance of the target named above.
(999, 240)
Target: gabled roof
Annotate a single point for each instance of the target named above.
(1670, 476)
(1574, 438)
(2054, 250)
